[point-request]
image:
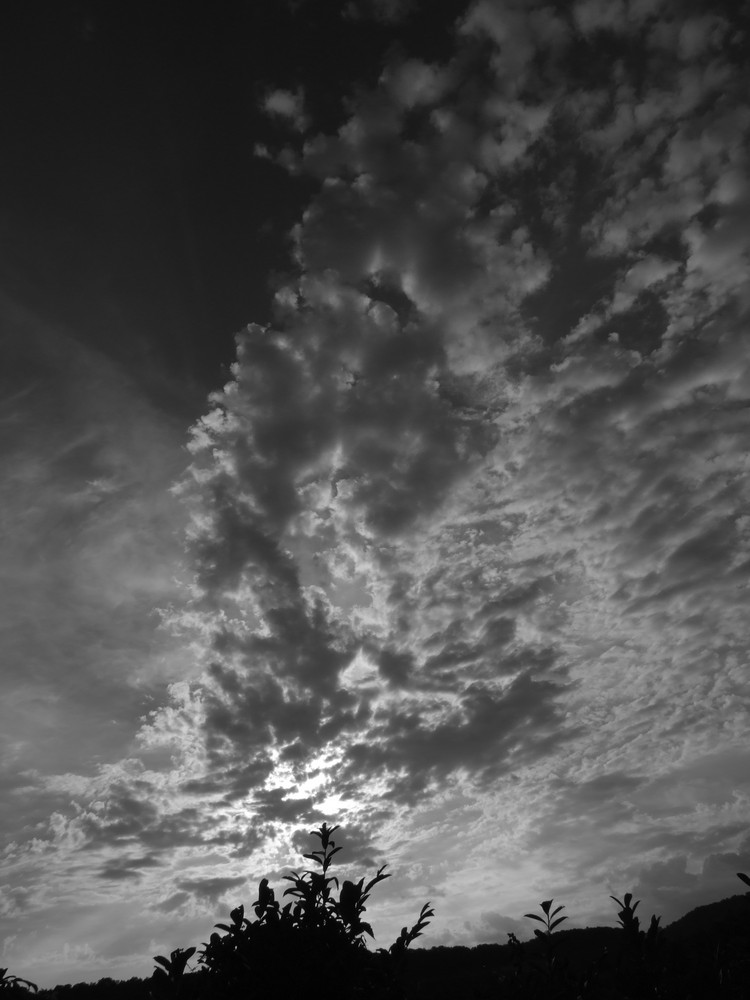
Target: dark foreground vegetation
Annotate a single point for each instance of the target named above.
(314, 946)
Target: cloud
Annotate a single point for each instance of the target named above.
(358, 849)
(494, 928)
(127, 868)
(173, 902)
(287, 105)
(673, 889)
(433, 536)
(91, 544)
(211, 889)
(390, 12)
(414, 83)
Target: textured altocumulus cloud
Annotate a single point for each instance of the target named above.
(470, 521)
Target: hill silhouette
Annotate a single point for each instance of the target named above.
(712, 917)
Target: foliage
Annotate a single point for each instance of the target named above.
(315, 943)
(547, 918)
(641, 967)
(14, 985)
(168, 980)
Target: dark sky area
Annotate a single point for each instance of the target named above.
(135, 211)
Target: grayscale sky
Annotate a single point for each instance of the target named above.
(375, 423)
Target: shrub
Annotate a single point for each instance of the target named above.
(645, 964)
(314, 945)
(14, 985)
(167, 981)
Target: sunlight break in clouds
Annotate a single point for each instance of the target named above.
(470, 520)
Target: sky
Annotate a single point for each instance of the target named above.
(374, 416)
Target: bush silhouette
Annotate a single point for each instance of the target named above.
(643, 964)
(11, 986)
(314, 945)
